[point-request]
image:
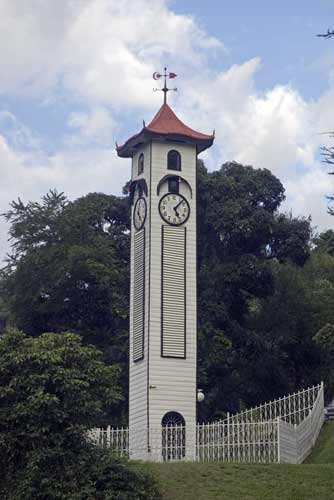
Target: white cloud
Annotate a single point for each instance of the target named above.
(97, 126)
(95, 59)
(276, 129)
(104, 51)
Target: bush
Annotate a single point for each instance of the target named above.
(88, 474)
(52, 390)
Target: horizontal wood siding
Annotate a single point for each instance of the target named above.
(139, 295)
(138, 383)
(173, 292)
(172, 380)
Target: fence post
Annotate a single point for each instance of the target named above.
(228, 436)
(278, 441)
(108, 440)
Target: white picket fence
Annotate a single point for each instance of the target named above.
(283, 430)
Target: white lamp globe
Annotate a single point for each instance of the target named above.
(200, 395)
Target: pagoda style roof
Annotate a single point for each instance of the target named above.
(165, 126)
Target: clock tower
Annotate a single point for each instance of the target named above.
(163, 336)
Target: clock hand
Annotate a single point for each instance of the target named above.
(177, 213)
(177, 206)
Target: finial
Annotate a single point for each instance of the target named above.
(144, 124)
(116, 145)
(166, 75)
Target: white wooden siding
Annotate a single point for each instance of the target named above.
(138, 376)
(172, 381)
(160, 384)
(173, 292)
(138, 295)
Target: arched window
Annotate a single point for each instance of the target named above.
(141, 163)
(173, 160)
(173, 436)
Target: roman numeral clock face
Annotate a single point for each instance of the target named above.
(174, 209)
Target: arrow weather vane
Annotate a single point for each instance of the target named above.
(165, 89)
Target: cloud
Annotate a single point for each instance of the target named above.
(94, 60)
(97, 126)
(275, 129)
(104, 51)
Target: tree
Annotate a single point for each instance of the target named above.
(329, 34)
(241, 235)
(324, 242)
(52, 390)
(328, 159)
(69, 270)
(283, 323)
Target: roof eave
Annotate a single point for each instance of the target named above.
(129, 148)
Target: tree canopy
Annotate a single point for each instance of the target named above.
(53, 390)
(69, 270)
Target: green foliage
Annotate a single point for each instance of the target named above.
(260, 294)
(283, 324)
(69, 270)
(325, 338)
(241, 237)
(324, 242)
(52, 390)
(85, 474)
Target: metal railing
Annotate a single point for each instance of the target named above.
(283, 430)
(292, 409)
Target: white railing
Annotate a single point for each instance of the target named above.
(283, 430)
(116, 439)
(296, 441)
(292, 409)
(237, 442)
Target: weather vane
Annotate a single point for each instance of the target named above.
(166, 75)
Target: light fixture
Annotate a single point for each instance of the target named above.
(200, 395)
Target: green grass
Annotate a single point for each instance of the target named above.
(313, 480)
(245, 482)
(323, 452)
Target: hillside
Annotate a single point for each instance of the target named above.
(206, 481)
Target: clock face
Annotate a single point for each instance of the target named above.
(174, 209)
(139, 213)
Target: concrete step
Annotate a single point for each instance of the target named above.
(329, 412)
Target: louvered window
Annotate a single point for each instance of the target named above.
(138, 318)
(173, 300)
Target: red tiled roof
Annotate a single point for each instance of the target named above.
(165, 124)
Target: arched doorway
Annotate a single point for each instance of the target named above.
(173, 436)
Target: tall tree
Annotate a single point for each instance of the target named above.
(240, 236)
(69, 270)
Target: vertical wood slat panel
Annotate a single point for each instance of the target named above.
(138, 295)
(173, 292)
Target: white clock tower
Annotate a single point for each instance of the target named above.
(163, 337)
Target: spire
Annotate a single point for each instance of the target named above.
(165, 126)
(165, 89)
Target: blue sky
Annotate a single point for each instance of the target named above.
(76, 77)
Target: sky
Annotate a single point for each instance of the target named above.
(76, 76)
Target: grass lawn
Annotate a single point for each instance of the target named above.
(313, 480)
(323, 452)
